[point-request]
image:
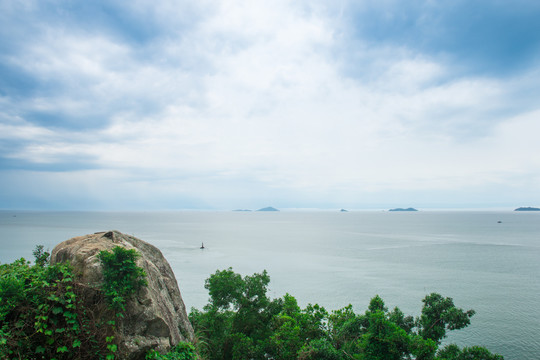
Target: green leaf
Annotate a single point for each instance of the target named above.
(57, 310)
(76, 343)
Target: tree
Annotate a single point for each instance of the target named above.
(440, 314)
(41, 256)
(237, 320)
(320, 349)
(453, 352)
(241, 322)
(294, 328)
(385, 339)
(225, 288)
(345, 328)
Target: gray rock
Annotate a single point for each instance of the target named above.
(156, 317)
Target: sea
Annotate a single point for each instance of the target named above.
(488, 261)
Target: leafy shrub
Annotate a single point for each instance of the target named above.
(121, 276)
(182, 351)
(42, 315)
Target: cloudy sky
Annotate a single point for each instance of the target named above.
(118, 105)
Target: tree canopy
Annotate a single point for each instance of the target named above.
(241, 322)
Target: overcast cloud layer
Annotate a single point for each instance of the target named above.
(244, 104)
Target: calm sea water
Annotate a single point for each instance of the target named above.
(334, 259)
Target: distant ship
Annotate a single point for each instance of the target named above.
(202, 245)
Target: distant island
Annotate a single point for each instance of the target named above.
(343, 210)
(527, 209)
(242, 210)
(269, 208)
(402, 209)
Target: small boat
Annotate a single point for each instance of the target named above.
(202, 245)
(499, 222)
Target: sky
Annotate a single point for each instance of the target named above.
(156, 105)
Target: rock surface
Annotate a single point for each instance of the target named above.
(156, 317)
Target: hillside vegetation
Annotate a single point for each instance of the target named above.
(45, 314)
(241, 322)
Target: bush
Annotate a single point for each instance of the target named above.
(42, 314)
(182, 351)
(121, 276)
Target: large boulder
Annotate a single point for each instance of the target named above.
(155, 317)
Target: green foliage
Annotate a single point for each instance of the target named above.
(41, 313)
(121, 276)
(241, 322)
(293, 328)
(345, 329)
(42, 316)
(225, 289)
(383, 338)
(42, 257)
(438, 315)
(182, 351)
(453, 352)
(320, 349)
(237, 320)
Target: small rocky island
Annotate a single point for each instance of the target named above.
(402, 209)
(527, 209)
(269, 208)
(343, 210)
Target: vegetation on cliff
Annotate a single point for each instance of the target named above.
(46, 314)
(43, 315)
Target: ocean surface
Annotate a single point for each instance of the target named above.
(334, 259)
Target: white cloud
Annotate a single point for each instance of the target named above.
(253, 98)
